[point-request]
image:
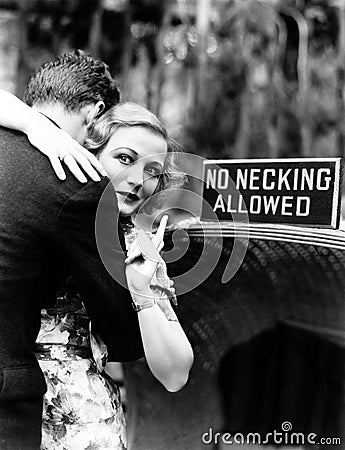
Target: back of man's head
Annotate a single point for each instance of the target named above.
(74, 80)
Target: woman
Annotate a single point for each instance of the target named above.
(82, 408)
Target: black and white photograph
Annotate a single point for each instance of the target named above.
(172, 224)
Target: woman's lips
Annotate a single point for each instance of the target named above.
(130, 196)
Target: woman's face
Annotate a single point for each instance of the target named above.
(134, 160)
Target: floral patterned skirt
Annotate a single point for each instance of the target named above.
(81, 408)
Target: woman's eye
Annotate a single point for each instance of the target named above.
(153, 171)
(125, 159)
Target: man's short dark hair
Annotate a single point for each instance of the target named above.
(74, 80)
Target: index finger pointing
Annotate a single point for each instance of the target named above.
(161, 229)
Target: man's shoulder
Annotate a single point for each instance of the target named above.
(12, 137)
(90, 191)
(30, 171)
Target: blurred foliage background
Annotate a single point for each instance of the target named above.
(230, 78)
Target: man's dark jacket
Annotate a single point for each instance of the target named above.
(47, 231)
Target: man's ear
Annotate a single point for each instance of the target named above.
(94, 112)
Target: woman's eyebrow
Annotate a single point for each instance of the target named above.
(125, 148)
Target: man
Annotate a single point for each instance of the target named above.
(47, 231)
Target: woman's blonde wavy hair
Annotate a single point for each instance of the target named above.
(133, 115)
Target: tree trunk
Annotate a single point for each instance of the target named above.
(160, 58)
(203, 10)
(23, 72)
(126, 55)
(340, 89)
(302, 73)
(242, 145)
(95, 36)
